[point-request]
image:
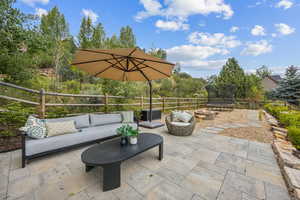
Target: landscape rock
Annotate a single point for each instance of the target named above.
(297, 194)
(283, 130)
(292, 176)
(280, 133)
(284, 150)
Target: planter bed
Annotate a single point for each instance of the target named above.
(10, 143)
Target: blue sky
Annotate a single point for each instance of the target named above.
(198, 34)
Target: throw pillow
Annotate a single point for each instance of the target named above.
(33, 121)
(185, 117)
(60, 128)
(35, 128)
(127, 117)
(36, 132)
(175, 116)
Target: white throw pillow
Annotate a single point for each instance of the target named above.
(60, 128)
(184, 117)
(127, 116)
(175, 116)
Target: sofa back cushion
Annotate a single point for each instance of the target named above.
(103, 119)
(60, 128)
(81, 121)
(127, 117)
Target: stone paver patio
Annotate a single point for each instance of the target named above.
(203, 166)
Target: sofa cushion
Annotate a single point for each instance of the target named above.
(60, 128)
(180, 123)
(86, 135)
(127, 116)
(81, 121)
(103, 119)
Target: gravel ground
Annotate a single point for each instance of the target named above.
(262, 134)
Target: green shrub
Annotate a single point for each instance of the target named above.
(290, 119)
(275, 110)
(294, 136)
(13, 117)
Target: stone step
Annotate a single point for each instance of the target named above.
(283, 130)
(284, 150)
(292, 176)
(280, 133)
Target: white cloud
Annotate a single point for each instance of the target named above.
(274, 35)
(258, 30)
(257, 48)
(193, 52)
(182, 9)
(171, 25)
(91, 14)
(284, 29)
(33, 2)
(234, 29)
(285, 4)
(40, 12)
(216, 39)
(204, 64)
(152, 8)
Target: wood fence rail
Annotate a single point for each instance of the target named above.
(163, 103)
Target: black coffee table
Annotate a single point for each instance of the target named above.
(111, 154)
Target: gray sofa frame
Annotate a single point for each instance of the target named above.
(26, 159)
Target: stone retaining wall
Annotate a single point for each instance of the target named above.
(289, 164)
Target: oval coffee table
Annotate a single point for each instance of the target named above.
(109, 155)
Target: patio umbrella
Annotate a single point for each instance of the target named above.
(124, 64)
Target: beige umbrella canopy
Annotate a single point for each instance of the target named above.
(126, 64)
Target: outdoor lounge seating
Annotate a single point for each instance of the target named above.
(92, 128)
(180, 128)
(221, 98)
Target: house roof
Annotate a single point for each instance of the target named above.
(275, 78)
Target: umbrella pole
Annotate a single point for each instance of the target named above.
(150, 87)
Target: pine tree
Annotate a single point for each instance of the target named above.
(289, 87)
(127, 38)
(54, 25)
(232, 74)
(98, 36)
(86, 33)
(263, 71)
(55, 29)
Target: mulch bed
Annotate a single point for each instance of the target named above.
(10, 143)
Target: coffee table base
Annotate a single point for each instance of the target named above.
(112, 172)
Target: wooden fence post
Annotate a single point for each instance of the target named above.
(163, 104)
(142, 102)
(42, 110)
(178, 103)
(106, 103)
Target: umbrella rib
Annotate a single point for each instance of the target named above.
(146, 59)
(112, 65)
(118, 61)
(138, 69)
(135, 66)
(117, 67)
(91, 61)
(152, 68)
(132, 51)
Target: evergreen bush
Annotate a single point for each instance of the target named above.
(294, 136)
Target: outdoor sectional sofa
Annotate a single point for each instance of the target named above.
(93, 128)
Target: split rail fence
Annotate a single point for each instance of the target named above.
(43, 100)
